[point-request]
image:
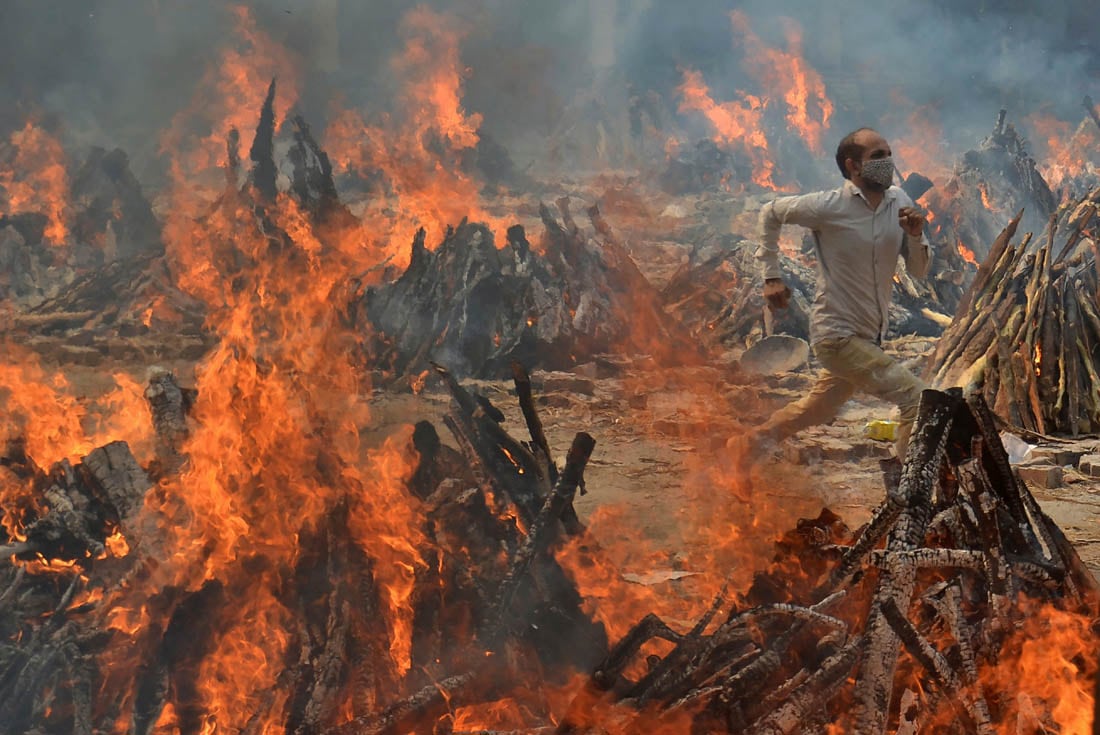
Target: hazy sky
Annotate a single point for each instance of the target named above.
(114, 72)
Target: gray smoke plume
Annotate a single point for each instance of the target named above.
(114, 72)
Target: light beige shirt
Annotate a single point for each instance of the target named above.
(857, 254)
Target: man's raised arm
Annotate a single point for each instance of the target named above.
(802, 210)
(914, 247)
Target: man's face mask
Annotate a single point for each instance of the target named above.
(878, 173)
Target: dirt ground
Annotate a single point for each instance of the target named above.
(660, 467)
(662, 492)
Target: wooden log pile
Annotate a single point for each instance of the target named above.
(476, 307)
(989, 183)
(72, 659)
(887, 628)
(1027, 334)
(491, 588)
(108, 219)
(893, 634)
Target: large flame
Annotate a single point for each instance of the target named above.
(786, 80)
(420, 154)
(1063, 151)
(737, 122)
(36, 179)
(786, 74)
(228, 98)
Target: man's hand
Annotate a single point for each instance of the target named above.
(912, 221)
(777, 294)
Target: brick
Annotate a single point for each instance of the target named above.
(567, 383)
(1047, 476)
(1089, 465)
(1055, 455)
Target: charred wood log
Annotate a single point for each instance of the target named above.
(170, 405)
(262, 152)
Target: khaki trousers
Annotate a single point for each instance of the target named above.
(851, 364)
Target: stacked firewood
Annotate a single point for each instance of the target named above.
(915, 617)
(477, 307)
(1028, 330)
(56, 635)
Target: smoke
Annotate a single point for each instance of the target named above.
(114, 72)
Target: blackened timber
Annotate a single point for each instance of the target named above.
(881, 522)
(522, 381)
(116, 474)
(541, 531)
(924, 653)
(233, 158)
(874, 686)
(648, 628)
(812, 694)
(262, 152)
(1002, 478)
(415, 710)
(951, 608)
(512, 466)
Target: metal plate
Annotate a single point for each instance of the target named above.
(779, 353)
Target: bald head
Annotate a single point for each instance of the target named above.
(854, 147)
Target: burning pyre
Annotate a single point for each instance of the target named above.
(247, 561)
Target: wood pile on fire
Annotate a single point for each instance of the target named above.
(1028, 332)
(987, 186)
(889, 629)
(108, 624)
(477, 308)
(106, 218)
(894, 626)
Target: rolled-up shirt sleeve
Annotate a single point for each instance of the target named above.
(918, 255)
(802, 210)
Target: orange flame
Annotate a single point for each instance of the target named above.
(420, 155)
(967, 254)
(1051, 662)
(37, 180)
(787, 73)
(918, 140)
(738, 122)
(229, 97)
(1063, 151)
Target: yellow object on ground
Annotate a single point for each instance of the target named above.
(883, 431)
